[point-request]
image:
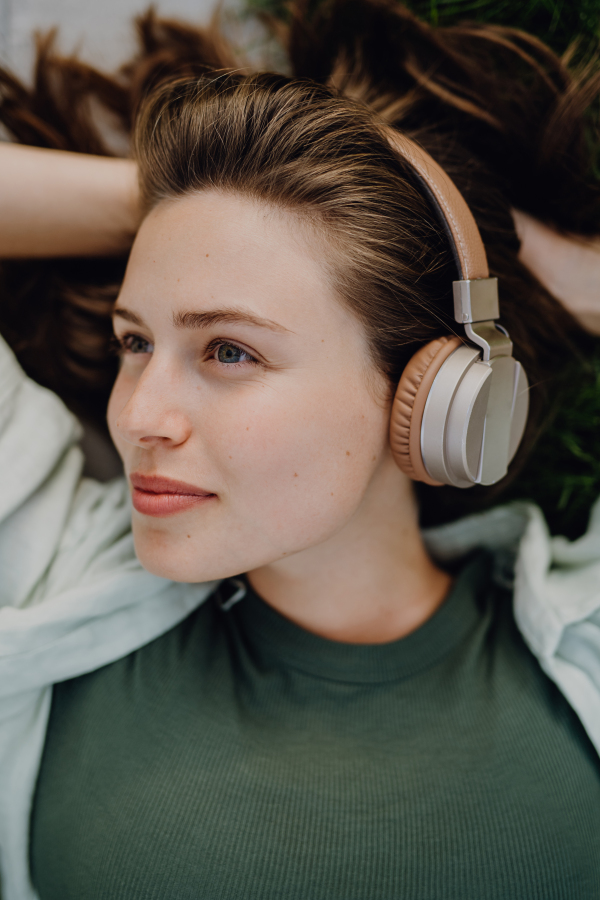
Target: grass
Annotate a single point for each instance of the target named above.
(562, 475)
(557, 22)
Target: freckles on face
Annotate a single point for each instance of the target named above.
(288, 443)
(293, 470)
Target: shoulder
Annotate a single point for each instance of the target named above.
(556, 593)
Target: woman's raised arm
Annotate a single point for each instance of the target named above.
(567, 265)
(54, 203)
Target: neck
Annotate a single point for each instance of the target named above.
(372, 582)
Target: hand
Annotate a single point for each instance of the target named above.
(567, 265)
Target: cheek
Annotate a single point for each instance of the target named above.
(122, 390)
(290, 466)
(298, 471)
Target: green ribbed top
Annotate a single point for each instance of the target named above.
(241, 757)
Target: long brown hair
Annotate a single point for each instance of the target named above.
(499, 111)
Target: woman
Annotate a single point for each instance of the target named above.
(358, 715)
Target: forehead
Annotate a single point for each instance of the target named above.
(212, 250)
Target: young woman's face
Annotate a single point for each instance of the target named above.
(247, 412)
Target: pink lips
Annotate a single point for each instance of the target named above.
(156, 496)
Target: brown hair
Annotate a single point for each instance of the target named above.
(495, 107)
(306, 148)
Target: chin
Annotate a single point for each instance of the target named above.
(190, 560)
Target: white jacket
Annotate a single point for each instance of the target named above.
(73, 596)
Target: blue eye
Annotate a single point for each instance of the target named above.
(133, 343)
(229, 353)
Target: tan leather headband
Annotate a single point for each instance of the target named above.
(469, 249)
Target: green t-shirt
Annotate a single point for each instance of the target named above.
(239, 756)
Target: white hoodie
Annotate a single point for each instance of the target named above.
(73, 597)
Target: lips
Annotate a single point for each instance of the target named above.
(154, 495)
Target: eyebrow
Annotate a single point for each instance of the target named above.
(129, 316)
(191, 319)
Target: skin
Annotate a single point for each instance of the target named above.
(568, 265)
(293, 448)
(56, 203)
(351, 567)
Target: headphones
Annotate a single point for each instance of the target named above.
(461, 406)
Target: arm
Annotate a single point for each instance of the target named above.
(568, 266)
(54, 203)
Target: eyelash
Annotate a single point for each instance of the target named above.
(120, 346)
(219, 342)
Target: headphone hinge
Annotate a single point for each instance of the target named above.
(476, 307)
(475, 300)
(493, 340)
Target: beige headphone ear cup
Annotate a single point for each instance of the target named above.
(409, 404)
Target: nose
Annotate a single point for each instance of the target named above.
(153, 414)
